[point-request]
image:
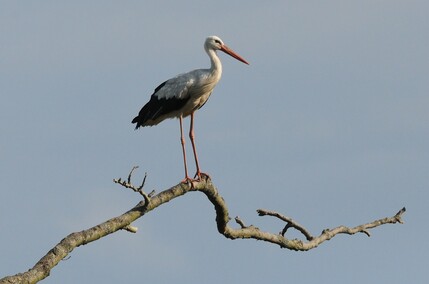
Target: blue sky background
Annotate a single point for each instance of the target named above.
(329, 125)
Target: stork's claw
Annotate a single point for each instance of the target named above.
(199, 176)
(187, 180)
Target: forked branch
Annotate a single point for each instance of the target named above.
(44, 266)
(252, 232)
(139, 189)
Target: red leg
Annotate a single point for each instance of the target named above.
(182, 140)
(199, 174)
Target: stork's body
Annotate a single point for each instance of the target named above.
(182, 95)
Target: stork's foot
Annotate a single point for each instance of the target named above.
(187, 179)
(199, 176)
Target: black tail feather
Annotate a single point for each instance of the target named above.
(156, 110)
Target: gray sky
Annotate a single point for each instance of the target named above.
(329, 125)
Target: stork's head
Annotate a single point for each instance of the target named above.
(215, 43)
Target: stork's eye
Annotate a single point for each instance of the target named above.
(217, 41)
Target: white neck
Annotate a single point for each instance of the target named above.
(216, 65)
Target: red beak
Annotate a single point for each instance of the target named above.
(231, 52)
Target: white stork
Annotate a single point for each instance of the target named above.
(182, 95)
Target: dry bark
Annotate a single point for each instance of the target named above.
(151, 201)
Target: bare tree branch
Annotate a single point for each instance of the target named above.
(290, 223)
(44, 266)
(129, 185)
(252, 232)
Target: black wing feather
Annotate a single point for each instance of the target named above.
(156, 108)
